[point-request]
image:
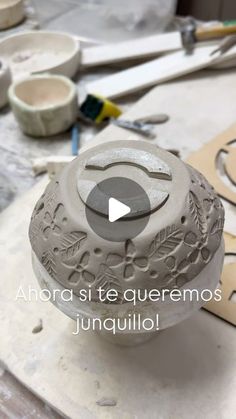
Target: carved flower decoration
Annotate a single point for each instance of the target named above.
(130, 260)
(52, 222)
(80, 271)
(177, 272)
(200, 249)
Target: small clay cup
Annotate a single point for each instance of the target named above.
(5, 81)
(11, 13)
(44, 105)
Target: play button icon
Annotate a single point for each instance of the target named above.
(117, 210)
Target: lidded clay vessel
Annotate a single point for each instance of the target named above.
(181, 246)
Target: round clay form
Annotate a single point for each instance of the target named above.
(44, 105)
(5, 81)
(11, 13)
(39, 52)
(181, 246)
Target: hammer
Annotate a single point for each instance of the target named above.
(191, 34)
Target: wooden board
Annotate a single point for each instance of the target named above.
(156, 71)
(226, 308)
(206, 160)
(16, 401)
(176, 375)
(222, 175)
(136, 48)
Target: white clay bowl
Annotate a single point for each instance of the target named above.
(39, 52)
(5, 81)
(11, 13)
(44, 105)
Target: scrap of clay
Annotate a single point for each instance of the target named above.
(154, 119)
(154, 166)
(39, 327)
(104, 401)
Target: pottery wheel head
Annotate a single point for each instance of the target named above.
(171, 230)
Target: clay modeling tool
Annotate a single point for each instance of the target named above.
(99, 109)
(140, 127)
(225, 45)
(154, 119)
(75, 139)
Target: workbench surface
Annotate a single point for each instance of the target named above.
(188, 371)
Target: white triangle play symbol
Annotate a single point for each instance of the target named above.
(117, 210)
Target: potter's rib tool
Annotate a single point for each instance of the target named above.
(139, 127)
(99, 109)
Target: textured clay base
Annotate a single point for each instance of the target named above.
(170, 312)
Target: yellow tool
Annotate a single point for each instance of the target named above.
(99, 109)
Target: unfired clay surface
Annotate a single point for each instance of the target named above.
(37, 52)
(181, 238)
(11, 13)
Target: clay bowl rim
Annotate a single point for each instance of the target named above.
(30, 108)
(76, 47)
(12, 5)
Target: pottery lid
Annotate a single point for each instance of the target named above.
(126, 158)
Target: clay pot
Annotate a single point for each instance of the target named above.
(44, 105)
(11, 13)
(39, 52)
(5, 81)
(180, 248)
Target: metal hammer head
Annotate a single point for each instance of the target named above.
(187, 30)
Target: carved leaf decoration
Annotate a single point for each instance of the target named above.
(70, 244)
(165, 242)
(48, 261)
(38, 208)
(34, 231)
(217, 227)
(106, 280)
(200, 180)
(197, 213)
(51, 195)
